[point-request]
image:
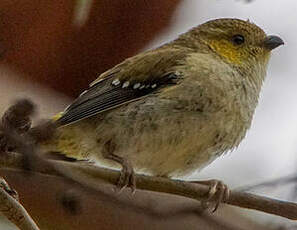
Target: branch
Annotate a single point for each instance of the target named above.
(16, 123)
(89, 175)
(13, 210)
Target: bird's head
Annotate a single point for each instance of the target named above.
(240, 43)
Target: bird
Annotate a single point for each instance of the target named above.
(172, 110)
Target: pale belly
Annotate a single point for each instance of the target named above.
(157, 140)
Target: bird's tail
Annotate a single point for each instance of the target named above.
(71, 141)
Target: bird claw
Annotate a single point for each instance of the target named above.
(218, 193)
(127, 178)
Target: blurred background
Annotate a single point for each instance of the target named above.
(51, 50)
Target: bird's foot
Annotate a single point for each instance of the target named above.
(127, 177)
(218, 193)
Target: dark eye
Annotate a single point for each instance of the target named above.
(238, 39)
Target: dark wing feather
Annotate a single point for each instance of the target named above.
(104, 96)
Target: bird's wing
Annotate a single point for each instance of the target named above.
(132, 79)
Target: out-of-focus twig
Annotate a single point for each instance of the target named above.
(284, 180)
(13, 210)
(82, 11)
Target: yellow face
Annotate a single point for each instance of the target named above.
(236, 53)
(238, 42)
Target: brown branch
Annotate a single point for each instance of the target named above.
(89, 175)
(13, 210)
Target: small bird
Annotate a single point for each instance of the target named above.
(172, 110)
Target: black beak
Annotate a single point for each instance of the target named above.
(272, 41)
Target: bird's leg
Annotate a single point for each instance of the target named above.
(218, 192)
(127, 177)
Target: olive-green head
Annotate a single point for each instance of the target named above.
(238, 42)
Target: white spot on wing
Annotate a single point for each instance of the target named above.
(137, 85)
(115, 82)
(126, 84)
(154, 86)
